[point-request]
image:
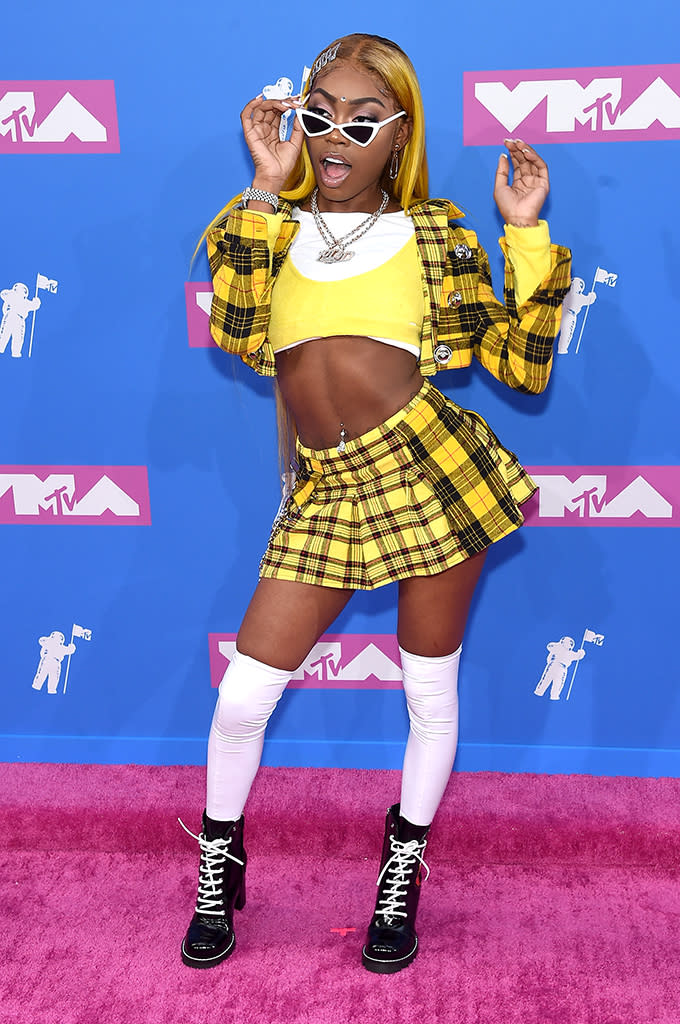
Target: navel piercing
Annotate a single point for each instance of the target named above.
(343, 435)
(343, 99)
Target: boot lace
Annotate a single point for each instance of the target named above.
(214, 853)
(397, 874)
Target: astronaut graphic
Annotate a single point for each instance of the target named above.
(561, 655)
(52, 653)
(16, 306)
(53, 650)
(574, 301)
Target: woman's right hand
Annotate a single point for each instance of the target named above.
(273, 159)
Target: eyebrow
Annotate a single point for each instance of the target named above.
(352, 103)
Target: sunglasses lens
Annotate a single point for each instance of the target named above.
(361, 133)
(313, 124)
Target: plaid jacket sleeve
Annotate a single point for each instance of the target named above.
(514, 343)
(243, 269)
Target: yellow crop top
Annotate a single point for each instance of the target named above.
(383, 303)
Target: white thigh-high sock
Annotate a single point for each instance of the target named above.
(431, 687)
(248, 694)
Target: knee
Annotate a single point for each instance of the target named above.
(248, 694)
(237, 708)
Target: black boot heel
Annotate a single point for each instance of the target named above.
(392, 943)
(210, 938)
(241, 898)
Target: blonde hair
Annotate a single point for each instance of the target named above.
(384, 58)
(388, 61)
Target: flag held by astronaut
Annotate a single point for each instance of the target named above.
(603, 276)
(80, 631)
(590, 637)
(47, 284)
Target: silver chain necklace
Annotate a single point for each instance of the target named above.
(336, 251)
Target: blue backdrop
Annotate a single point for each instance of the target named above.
(125, 540)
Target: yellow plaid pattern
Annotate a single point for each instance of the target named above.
(412, 497)
(461, 310)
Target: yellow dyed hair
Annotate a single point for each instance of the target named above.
(383, 58)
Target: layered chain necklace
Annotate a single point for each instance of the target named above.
(337, 251)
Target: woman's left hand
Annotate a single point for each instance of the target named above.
(520, 202)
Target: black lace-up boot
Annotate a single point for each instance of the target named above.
(392, 943)
(221, 887)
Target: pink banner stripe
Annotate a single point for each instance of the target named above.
(198, 296)
(339, 661)
(647, 496)
(75, 495)
(58, 117)
(597, 104)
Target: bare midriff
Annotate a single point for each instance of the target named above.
(355, 381)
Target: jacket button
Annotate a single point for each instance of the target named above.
(463, 252)
(442, 353)
(454, 300)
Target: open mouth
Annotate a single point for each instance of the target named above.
(334, 170)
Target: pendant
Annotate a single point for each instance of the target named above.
(341, 443)
(334, 254)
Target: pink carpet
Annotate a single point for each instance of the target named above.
(552, 900)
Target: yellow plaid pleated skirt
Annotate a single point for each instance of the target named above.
(424, 490)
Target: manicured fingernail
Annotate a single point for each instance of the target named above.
(505, 155)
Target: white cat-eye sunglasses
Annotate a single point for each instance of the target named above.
(361, 132)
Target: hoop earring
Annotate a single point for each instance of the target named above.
(394, 165)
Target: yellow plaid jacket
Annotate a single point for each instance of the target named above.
(461, 310)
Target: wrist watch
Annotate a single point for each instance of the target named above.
(261, 196)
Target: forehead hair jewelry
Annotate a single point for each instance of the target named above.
(325, 58)
(336, 251)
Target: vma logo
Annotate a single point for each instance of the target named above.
(340, 661)
(198, 297)
(103, 495)
(611, 104)
(58, 117)
(604, 496)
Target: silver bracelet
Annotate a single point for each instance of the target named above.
(261, 196)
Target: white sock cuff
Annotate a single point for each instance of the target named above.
(244, 662)
(419, 661)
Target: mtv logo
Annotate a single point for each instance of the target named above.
(350, 661)
(572, 104)
(58, 117)
(605, 496)
(198, 298)
(101, 495)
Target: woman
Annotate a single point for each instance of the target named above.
(338, 275)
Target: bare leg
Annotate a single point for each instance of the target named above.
(284, 620)
(433, 610)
